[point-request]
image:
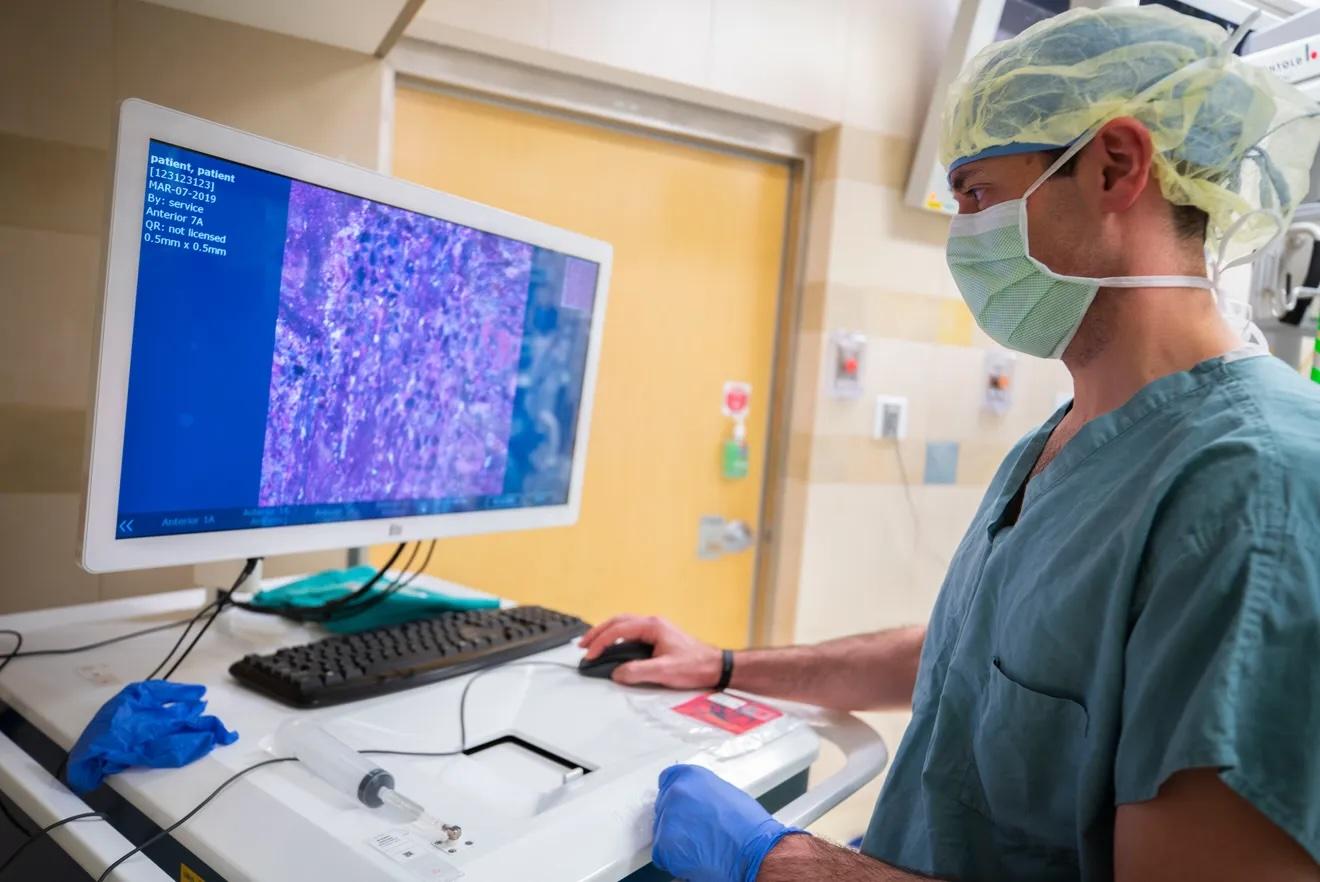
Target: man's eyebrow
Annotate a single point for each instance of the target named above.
(958, 180)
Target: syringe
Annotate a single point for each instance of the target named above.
(348, 771)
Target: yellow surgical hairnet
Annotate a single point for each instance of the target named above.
(1231, 138)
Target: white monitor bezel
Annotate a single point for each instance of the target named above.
(139, 123)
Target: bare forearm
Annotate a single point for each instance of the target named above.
(805, 857)
(865, 672)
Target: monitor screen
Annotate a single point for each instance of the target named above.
(301, 355)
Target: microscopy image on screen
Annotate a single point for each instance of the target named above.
(397, 346)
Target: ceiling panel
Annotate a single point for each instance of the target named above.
(352, 24)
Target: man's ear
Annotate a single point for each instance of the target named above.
(1125, 153)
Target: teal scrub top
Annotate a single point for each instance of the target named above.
(1155, 608)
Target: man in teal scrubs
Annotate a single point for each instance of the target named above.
(1121, 676)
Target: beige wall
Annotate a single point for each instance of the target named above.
(878, 268)
(875, 539)
(64, 66)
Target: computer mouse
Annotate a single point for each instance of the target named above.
(604, 664)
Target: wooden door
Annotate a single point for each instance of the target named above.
(698, 245)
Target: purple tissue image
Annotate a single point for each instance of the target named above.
(397, 345)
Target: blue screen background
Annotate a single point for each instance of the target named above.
(202, 336)
(204, 341)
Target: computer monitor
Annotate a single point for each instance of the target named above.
(299, 354)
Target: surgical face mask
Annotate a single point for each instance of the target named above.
(1024, 305)
(1017, 300)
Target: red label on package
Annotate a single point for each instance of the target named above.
(736, 715)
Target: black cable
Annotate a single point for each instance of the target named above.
(154, 629)
(201, 805)
(214, 609)
(16, 652)
(325, 611)
(87, 647)
(221, 602)
(359, 598)
(69, 650)
(401, 581)
(219, 606)
(426, 561)
(462, 701)
(43, 831)
(353, 609)
(362, 598)
(462, 723)
(13, 653)
(182, 637)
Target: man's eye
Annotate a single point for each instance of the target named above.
(976, 193)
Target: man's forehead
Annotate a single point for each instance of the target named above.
(997, 167)
(960, 175)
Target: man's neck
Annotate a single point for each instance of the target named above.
(1131, 337)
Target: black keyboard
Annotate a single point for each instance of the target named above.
(348, 667)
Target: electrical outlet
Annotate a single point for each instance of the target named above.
(891, 416)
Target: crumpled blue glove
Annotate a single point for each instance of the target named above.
(707, 830)
(153, 723)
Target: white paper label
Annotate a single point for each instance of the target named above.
(422, 858)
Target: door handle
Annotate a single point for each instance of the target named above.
(718, 536)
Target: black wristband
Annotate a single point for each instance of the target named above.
(726, 671)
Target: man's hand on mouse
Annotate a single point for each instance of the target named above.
(679, 662)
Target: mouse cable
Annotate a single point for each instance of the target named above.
(462, 722)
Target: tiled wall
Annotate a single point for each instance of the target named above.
(876, 538)
(64, 66)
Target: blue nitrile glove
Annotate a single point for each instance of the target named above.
(153, 723)
(707, 830)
